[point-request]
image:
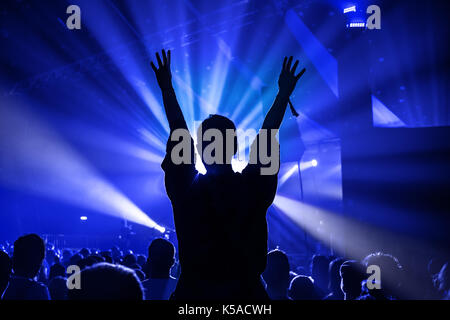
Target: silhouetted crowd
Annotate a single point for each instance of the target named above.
(30, 269)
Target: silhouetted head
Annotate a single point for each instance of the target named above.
(161, 254)
(51, 257)
(106, 255)
(75, 259)
(302, 288)
(5, 270)
(57, 270)
(85, 252)
(29, 252)
(276, 274)
(141, 259)
(130, 261)
(391, 272)
(319, 271)
(57, 288)
(334, 284)
(105, 281)
(66, 255)
(216, 142)
(352, 274)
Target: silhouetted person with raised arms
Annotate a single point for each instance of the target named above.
(220, 217)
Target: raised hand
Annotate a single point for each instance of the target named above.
(163, 73)
(288, 79)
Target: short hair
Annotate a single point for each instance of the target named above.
(161, 253)
(390, 267)
(57, 270)
(277, 269)
(334, 274)
(352, 267)
(130, 260)
(85, 252)
(352, 274)
(302, 288)
(57, 288)
(221, 123)
(29, 252)
(105, 281)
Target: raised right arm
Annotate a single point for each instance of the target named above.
(171, 107)
(286, 83)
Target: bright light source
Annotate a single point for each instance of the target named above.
(83, 218)
(314, 162)
(357, 25)
(160, 229)
(59, 173)
(350, 9)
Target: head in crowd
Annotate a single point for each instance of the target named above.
(116, 254)
(57, 288)
(141, 259)
(29, 252)
(319, 272)
(161, 255)
(51, 257)
(334, 284)
(85, 252)
(302, 288)
(391, 274)
(105, 281)
(5, 270)
(66, 255)
(106, 255)
(217, 124)
(57, 270)
(130, 261)
(352, 274)
(75, 259)
(276, 275)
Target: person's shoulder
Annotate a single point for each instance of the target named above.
(40, 288)
(172, 279)
(146, 283)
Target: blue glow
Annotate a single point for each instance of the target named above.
(350, 9)
(383, 117)
(323, 61)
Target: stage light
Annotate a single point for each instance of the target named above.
(39, 161)
(357, 25)
(305, 165)
(350, 9)
(288, 174)
(83, 218)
